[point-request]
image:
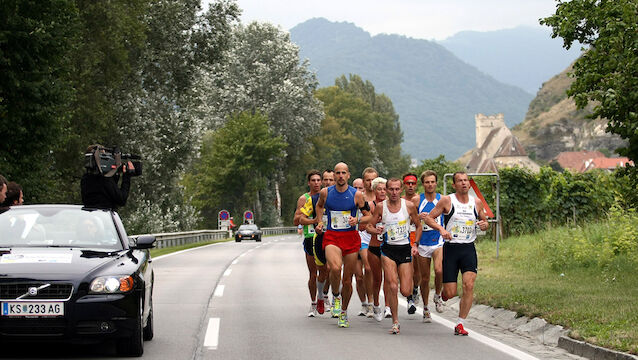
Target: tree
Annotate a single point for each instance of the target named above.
(261, 72)
(607, 73)
(36, 40)
(236, 161)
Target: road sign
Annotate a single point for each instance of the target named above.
(248, 217)
(223, 220)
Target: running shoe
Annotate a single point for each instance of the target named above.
(313, 311)
(378, 313)
(396, 329)
(415, 296)
(458, 330)
(411, 307)
(320, 306)
(438, 303)
(388, 312)
(336, 307)
(343, 320)
(427, 318)
(370, 311)
(364, 310)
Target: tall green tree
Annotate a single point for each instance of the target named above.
(37, 39)
(262, 72)
(236, 162)
(607, 73)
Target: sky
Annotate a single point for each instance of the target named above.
(420, 19)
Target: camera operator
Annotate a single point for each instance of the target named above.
(14, 194)
(101, 191)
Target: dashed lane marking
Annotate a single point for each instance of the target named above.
(219, 291)
(211, 340)
(228, 271)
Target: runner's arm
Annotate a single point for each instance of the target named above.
(361, 203)
(442, 206)
(319, 210)
(414, 217)
(371, 227)
(482, 223)
(300, 202)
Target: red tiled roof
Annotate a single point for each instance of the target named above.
(606, 163)
(574, 159)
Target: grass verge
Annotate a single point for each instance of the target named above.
(168, 250)
(598, 304)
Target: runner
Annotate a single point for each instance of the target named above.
(430, 244)
(341, 241)
(304, 206)
(461, 212)
(374, 252)
(396, 252)
(358, 274)
(327, 179)
(410, 187)
(368, 175)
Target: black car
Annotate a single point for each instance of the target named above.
(248, 231)
(68, 273)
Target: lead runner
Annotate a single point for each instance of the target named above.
(341, 240)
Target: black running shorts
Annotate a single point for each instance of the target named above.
(319, 252)
(458, 257)
(375, 250)
(400, 254)
(307, 246)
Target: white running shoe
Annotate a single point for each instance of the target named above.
(388, 312)
(364, 310)
(378, 313)
(438, 303)
(313, 311)
(416, 297)
(427, 318)
(370, 311)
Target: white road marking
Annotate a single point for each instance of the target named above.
(183, 251)
(219, 291)
(235, 261)
(475, 335)
(211, 340)
(228, 271)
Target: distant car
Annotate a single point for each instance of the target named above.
(248, 231)
(69, 274)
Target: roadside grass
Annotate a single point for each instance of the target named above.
(168, 250)
(597, 303)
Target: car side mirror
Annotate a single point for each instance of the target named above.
(145, 242)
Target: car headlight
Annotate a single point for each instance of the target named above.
(111, 284)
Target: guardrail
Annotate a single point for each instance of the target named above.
(165, 240)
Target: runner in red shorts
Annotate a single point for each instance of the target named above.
(341, 240)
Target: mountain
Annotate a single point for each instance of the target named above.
(553, 124)
(523, 56)
(435, 93)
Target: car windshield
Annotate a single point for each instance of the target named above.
(248, 227)
(58, 226)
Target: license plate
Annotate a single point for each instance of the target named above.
(48, 308)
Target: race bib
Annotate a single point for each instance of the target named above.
(463, 229)
(398, 231)
(339, 220)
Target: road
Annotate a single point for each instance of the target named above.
(249, 300)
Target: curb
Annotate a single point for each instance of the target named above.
(590, 351)
(540, 331)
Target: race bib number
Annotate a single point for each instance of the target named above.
(339, 220)
(311, 229)
(463, 229)
(398, 231)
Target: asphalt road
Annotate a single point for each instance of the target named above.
(249, 300)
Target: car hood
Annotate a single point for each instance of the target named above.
(53, 263)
